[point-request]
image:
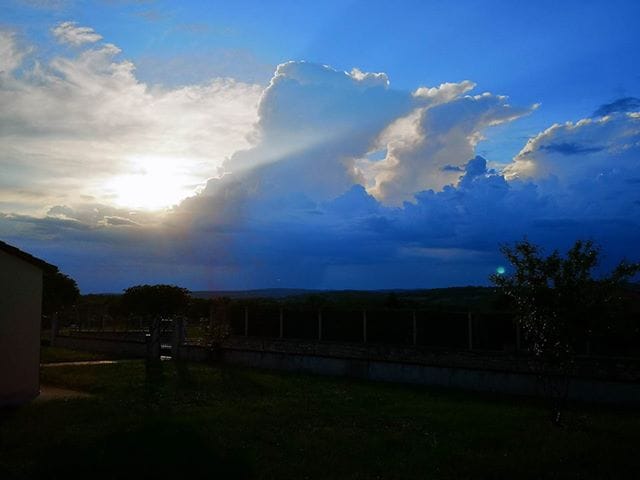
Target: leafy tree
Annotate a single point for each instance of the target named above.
(156, 300)
(199, 308)
(392, 300)
(58, 292)
(558, 300)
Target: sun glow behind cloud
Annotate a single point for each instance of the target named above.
(79, 128)
(155, 183)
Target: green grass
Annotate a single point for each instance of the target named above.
(57, 354)
(199, 421)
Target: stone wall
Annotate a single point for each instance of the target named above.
(595, 380)
(515, 381)
(592, 367)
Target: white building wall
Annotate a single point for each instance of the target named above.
(20, 313)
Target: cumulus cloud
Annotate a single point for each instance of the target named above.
(11, 54)
(313, 122)
(445, 92)
(94, 215)
(84, 125)
(588, 148)
(420, 147)
(448, 236)
(319, 127)
(274, 220)
(370, 78)
(324, 178)
(71, 33)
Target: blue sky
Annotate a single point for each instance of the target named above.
(315, 144)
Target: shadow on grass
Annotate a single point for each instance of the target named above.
(155, 449)
(183, 374)
(153, 378)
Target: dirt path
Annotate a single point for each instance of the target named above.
(48, 392)
(85, 362)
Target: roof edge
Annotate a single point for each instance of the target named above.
(27, 257)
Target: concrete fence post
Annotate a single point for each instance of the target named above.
(470, 330)
(281, 323)
(178, 337)
(319, 325)
(518, 336)
(414, 328)
(153, 347)
(246, 321)
(54, 328)
(364, 326)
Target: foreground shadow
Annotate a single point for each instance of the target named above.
(159, 448)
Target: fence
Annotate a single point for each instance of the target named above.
(470, 350)
(451, 330)
(495, 331)
(431, 329)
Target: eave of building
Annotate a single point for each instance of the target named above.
(16, 252)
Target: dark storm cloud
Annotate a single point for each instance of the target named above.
(570, 148)
(626, 104)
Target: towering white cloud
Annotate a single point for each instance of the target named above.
(313, 122)
(423, 149)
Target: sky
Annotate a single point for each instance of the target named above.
(329, 145)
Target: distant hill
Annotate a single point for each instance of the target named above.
(458, 298)
(470, 298)
(258, 293)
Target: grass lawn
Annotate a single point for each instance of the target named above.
(57, 354)
(200, 421)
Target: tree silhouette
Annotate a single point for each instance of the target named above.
(558, 300)
(156, 300)
(58, 291)
(154, 303)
